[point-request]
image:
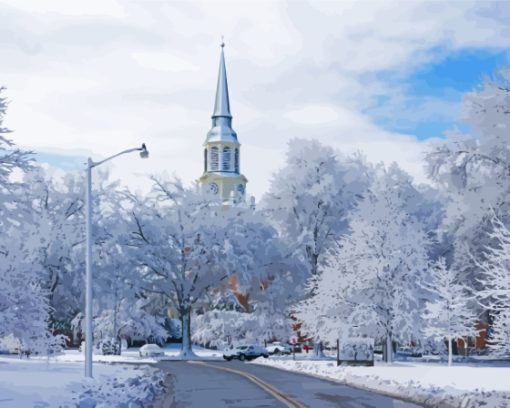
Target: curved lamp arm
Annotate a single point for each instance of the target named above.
(144, 153)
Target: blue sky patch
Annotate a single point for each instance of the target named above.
(61, 161)
(461, 71)
(428, 101)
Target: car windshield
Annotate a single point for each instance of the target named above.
(242, 347)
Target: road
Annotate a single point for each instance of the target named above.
(239, 385)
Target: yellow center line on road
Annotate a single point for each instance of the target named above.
(279, 395)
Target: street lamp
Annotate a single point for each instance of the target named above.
(144, 153)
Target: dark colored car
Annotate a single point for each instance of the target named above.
(248, 352)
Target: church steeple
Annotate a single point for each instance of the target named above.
(222, 151)
(221, 130)
(222, 102)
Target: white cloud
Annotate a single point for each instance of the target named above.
(164, 62)
(312, 115)
(105, 76)
(69, 8)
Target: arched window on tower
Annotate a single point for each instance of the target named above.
(226, 159)
(236, 160)
(205, 160)
(214, 159)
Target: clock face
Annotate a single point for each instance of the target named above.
(240, 188)
(213, 188)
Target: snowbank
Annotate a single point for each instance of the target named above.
(131, 355)
(37, 383)
(425, 383)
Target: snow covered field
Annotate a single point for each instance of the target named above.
(61, 383)
(463, 386)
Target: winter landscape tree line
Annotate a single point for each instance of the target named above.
(342, 246)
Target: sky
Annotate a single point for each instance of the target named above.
(384, 78)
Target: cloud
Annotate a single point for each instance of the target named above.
(68, 8)
(163, 62)
(106, 76)
(313, 115)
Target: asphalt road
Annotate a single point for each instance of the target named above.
(240, 385)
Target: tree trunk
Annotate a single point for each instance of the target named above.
(186, 351)
(313, 259)
(389, 349)
(118, 343)
(318, 349)
(450, 353)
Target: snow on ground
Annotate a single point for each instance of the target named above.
(131, 355)
(38, 383)
(172, 352)
(60, 382)
(432, 384)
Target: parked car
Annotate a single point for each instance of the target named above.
(278, 348)
(151, 350)
(248, 352)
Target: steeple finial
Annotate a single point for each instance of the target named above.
(222, 103)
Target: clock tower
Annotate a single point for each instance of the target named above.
(222, 151)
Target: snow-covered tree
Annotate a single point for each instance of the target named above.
(56, 213)
(219, 328)
(373, 277)
(256, 252)
(24, 305)
(478, 166)
(474, 173)
(309, 199)
(181, 249)
(448, 314)
(500, 335)
(13, 163)
(495, 293)
(117, 282)
(273, 277)
(130, 321)
(327, 314)
(24, 309)
(194, 252)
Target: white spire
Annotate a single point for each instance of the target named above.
(221, 130)
(222, 103)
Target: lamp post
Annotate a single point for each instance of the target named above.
(144, 153)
